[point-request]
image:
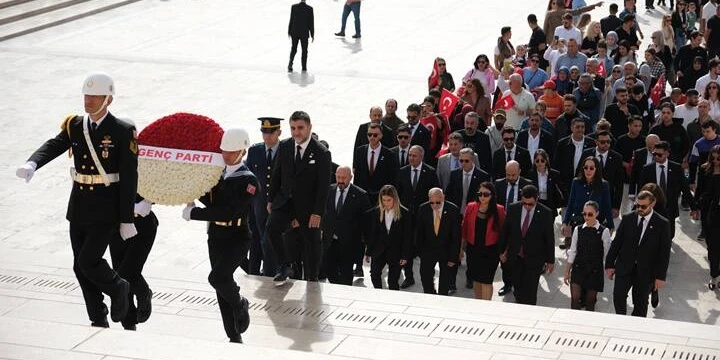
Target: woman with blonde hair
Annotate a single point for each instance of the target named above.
(593, 35)
(389, 241)
(668, 34)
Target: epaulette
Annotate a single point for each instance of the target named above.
(65, 126)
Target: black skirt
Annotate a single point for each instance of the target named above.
(589, 279)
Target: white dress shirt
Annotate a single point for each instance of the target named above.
(542, 185)
(605, 239)
(645, 223)
(389, 218)
(229, 169)
(579, 147)
(665, 170)
(402, 156)
(303, 146)
(375, 158)
(515, 191)
(412, 172)
(533, 143)
(512, 152)
(337, 195)
(604, 157)
(525, 212)
(649, 158)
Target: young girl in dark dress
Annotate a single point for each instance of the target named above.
(708, 199)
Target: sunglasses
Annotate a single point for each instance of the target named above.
(442, 64)
(484, 194)
(713, 88)
(541, 161)
(588, 168)
(603, 141)
(403, 137)
(373, 134)
(657, 154)
(588, 214)
(642, 207)
(464, 161)
(434, 202)
(508, 139)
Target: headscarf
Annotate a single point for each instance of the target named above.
(563, 86)
(612, 48)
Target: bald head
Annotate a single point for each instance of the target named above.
(343, 176)
(650, 141)
(512, 171)
(436, 198)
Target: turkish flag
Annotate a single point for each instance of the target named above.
(431, 122)
(448, 101)
(434, 78)
(506, 102)
(658, 91)
(601, 68)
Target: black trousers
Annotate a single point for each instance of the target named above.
(225, 257)
(712, 239)
(428, 259)
(525, 281)
(94, 274)
(640, 290)
(261, 257)
(507, 272)
(128, 259)
(308, 240)
(339, 259)
(303, 55)
(377, 264)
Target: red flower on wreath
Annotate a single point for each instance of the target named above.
(183, 131)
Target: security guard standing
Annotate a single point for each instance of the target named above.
(226, 210)
(260, 161)
(128, 259)
(103, 193)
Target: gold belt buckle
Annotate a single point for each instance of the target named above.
(229, 223)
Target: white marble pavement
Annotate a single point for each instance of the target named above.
(227, 59)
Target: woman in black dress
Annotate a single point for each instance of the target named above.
(481, 227)
(548, 181)
(708, 198)
(585, 259)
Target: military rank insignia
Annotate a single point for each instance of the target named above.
(106, 144)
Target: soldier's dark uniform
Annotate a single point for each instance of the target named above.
(128, 258)
(226, 210)
(95, 210)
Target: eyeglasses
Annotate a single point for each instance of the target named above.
(588, 168)
(603, 141)
(441, 64)
(484, 194)
(373, 134)
(712, 88)
(508, 139)
(540, 161)
(403, 137)
(434, 202)
(588, 214)
(464, 161)
(642, 207)
(657, 154)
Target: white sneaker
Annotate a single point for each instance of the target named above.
(714, 283)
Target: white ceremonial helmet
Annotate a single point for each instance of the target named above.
(98, 83)
(235, 139)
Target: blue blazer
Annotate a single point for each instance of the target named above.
(580, 193)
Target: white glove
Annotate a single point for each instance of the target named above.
(26, 171)
(143, 208)
(127, 230)
(187, 210)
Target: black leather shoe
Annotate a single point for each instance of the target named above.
(119, 302)
(242, 316)
(340, 34)
(236, 339)
(407, 283)
(282, 275)
(359, 272)
(505, 290)
(304, 70)
(130, 327)
(102, 323)
(356, 36)
(144, 306)
(289, 68)
(654, 299)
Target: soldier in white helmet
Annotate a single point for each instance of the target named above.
(226, 210)
(103, 194)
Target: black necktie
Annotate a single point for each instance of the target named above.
(269, 157)
(297, 155)
(602, 161)
(402, 158)
(93, 127)
(510, 195)
(415, 178)
(508, 156)
(663, 180)
(640, 228)
(339, 205)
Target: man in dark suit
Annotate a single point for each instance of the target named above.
(527, 244)
(611, 167)
(437, 237)
(413, 183)
(342, 227)
(535, 137)
(478, 141)
(563, 124)
(260, 160)
(568, 152)
(641, 157)
(508, 152)
(419, 134)
(465, 182)
(639, 256)
(301, 26)
(668, 175)
(610, 22)
(373, 164)
(376, 114)
(402, 149)
(509, 190)
(298, 192)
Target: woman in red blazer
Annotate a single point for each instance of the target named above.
(481, 228)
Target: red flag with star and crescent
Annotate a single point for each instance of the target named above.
(448, 101)
(601, 69)
(434, 78)
(430, 122)
(658, 91)
(506, 102)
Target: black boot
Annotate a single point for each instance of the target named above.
(144, 306)
(242, 316)
(119, 301)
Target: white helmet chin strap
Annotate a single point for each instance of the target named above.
(102, 107)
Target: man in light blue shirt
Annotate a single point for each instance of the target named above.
(572, 57)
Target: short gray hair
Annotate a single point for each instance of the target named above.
(419, 149)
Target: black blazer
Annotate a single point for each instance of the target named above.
(539, 241)
(500, 159)
(547, 141)
(346, 225)
(556, 189)
(422, 138)
(454, 190)
(613, 171)
(564, 160)
(384, 173)
(677, 184)
(638, 163)
(480, 143)
(396, 152)
(501, 187)
(446, 243)
(229, 200)
(652, 255)
(398, 242)
(413, 198)
(306, 183)
(388, 139)
(302, 21)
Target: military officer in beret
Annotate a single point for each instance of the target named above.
(260, 160)
(103, 193)
(227, 206)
